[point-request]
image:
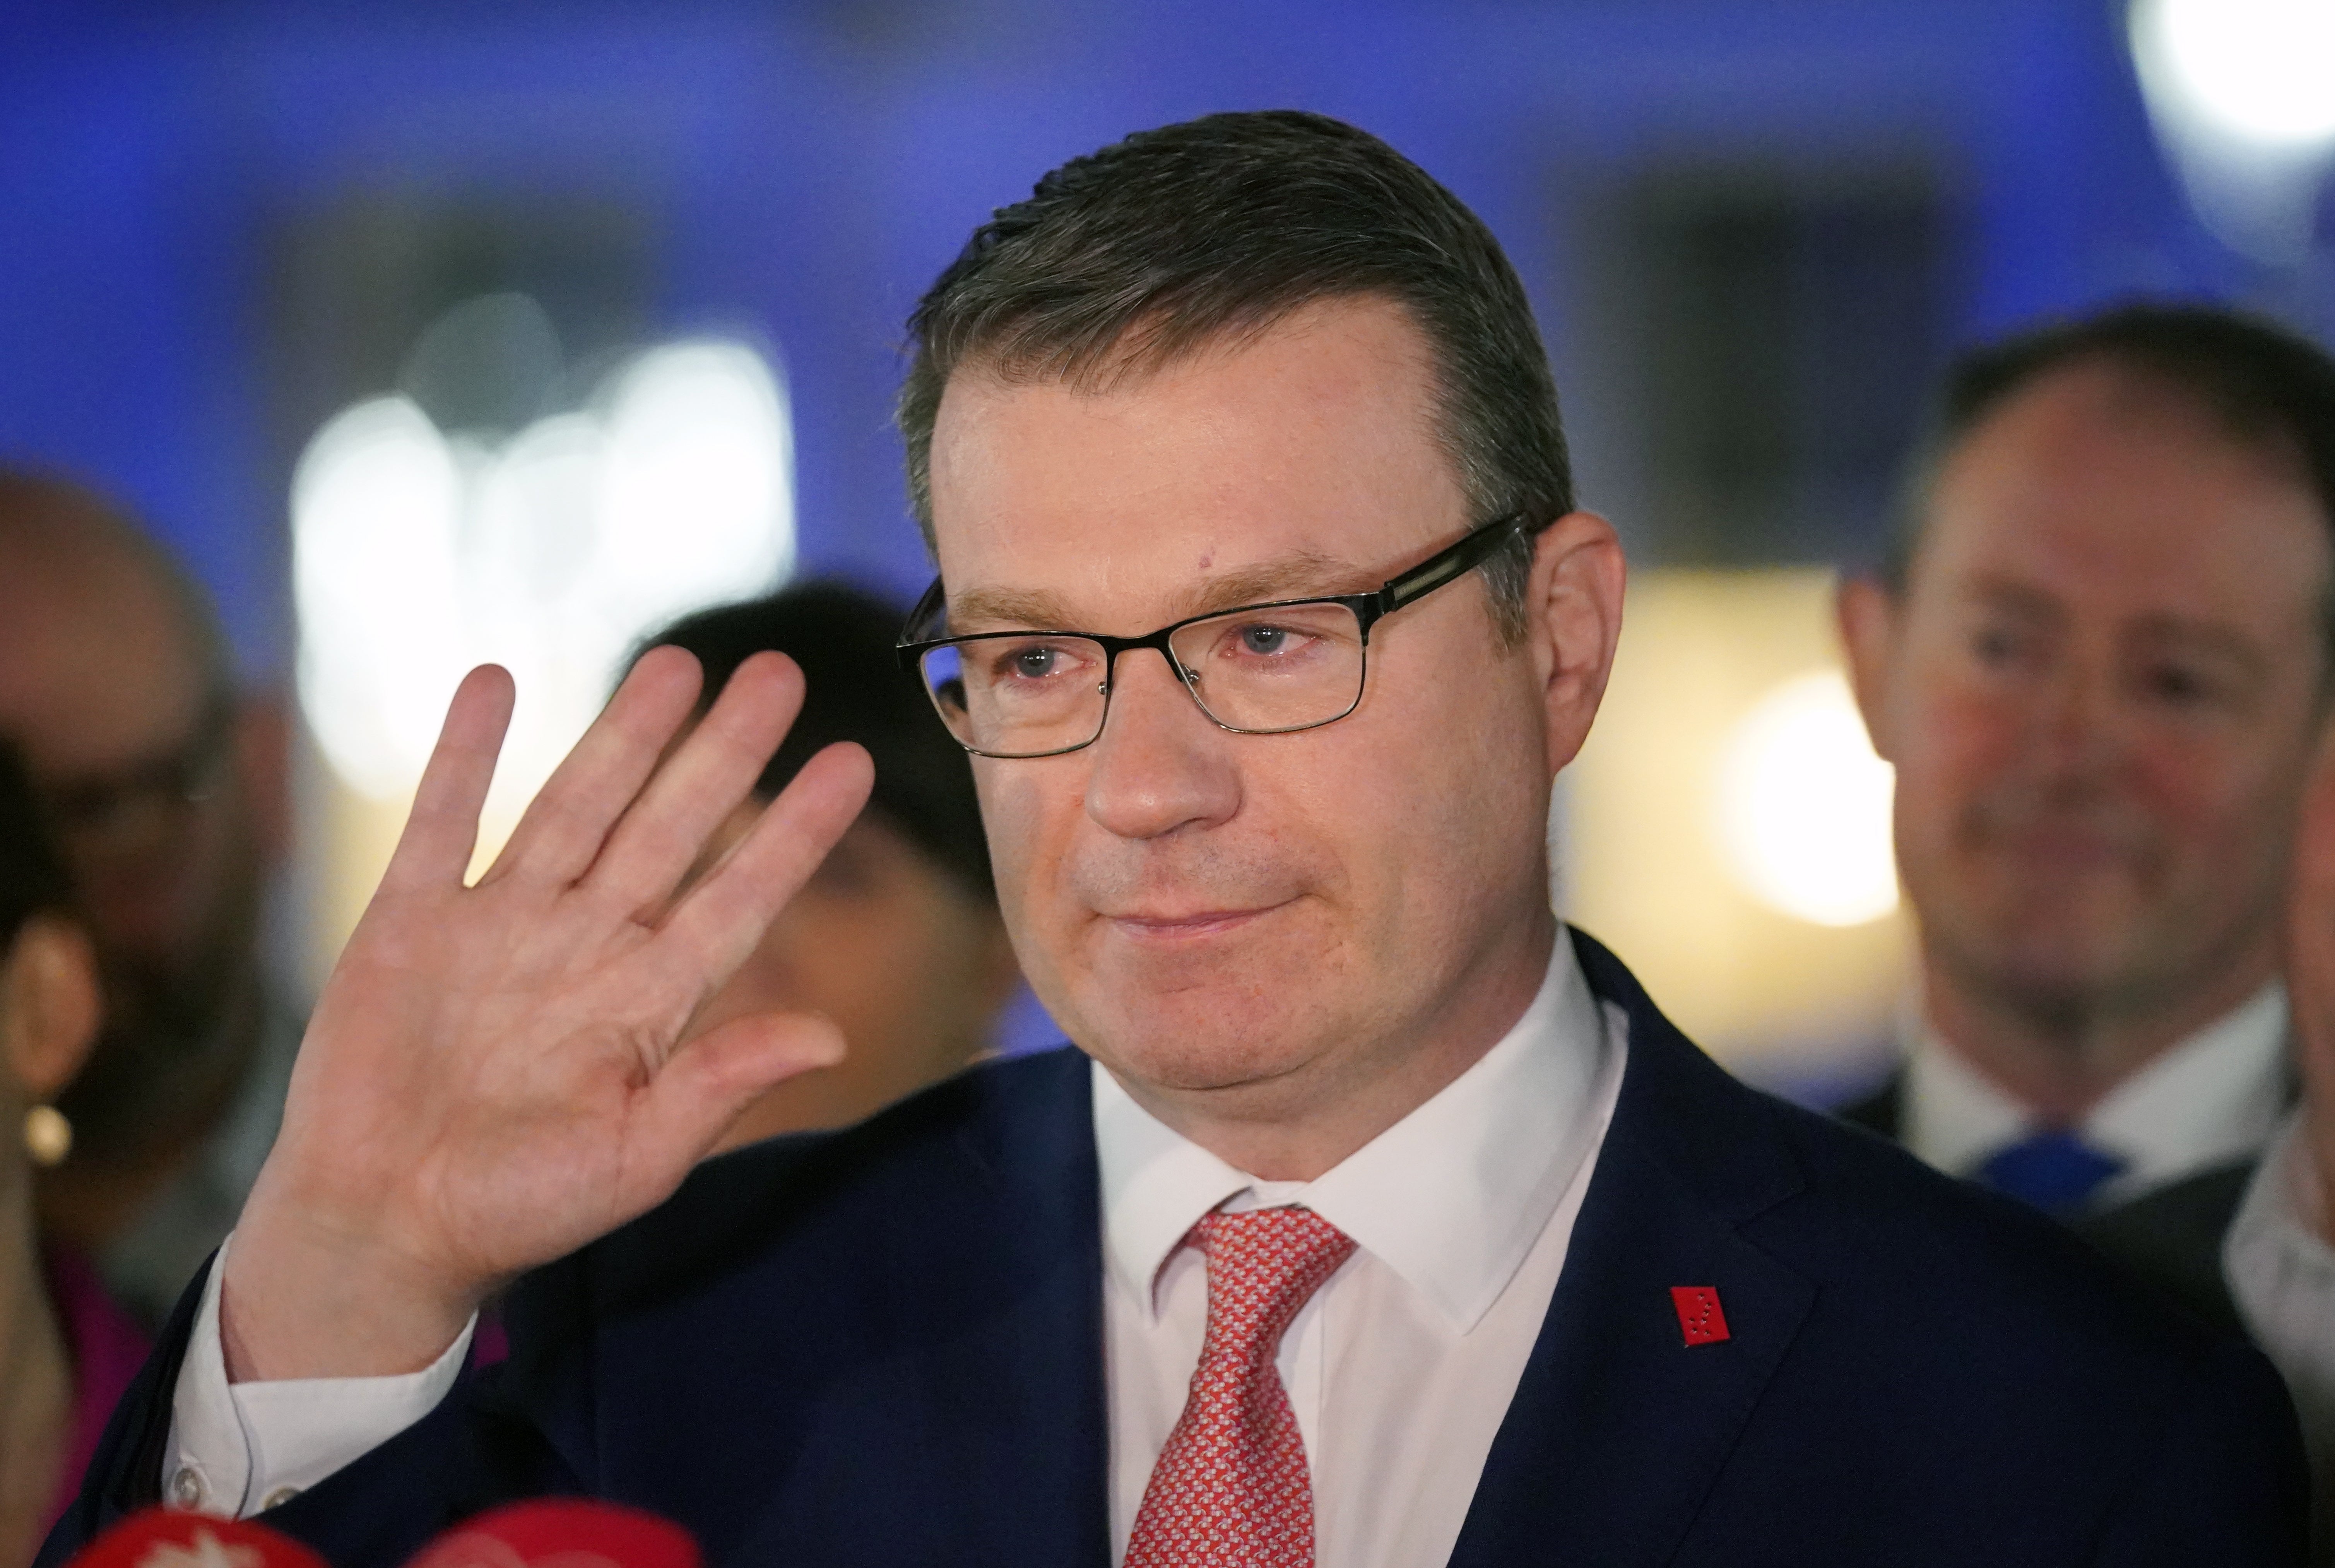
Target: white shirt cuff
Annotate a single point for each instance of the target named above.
(237, 1449)
(2281, 1273)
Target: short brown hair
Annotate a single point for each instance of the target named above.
(1144, 251)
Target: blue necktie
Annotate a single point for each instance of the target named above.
(2056, 1171)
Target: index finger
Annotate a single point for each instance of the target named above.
(442, 827)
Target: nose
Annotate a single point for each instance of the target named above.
(2082, 722)
(1160, 764)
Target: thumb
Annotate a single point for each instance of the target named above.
(705, 1085)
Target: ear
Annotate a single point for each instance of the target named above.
(50, 1004)
(1867, 616)
(1574, 623)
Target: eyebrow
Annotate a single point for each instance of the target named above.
(1301, 575)
(2211, 637)
(2004, 595)
(2208, 637)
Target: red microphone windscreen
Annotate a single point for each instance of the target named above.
(562, 1533)
(165, 1538)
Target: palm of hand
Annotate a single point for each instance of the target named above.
(493, 1076)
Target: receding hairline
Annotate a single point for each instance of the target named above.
(2272, 442)
(89, 544)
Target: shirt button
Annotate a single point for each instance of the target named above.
(187, 1489)
(278, 1498)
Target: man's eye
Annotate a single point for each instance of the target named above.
(1032, 662)
(2179, 683)
(1266, 640)
(1995, 645)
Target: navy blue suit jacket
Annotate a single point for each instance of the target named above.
(884, 1346)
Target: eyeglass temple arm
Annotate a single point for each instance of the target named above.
(1463, 557)
(917, 629)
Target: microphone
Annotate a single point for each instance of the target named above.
(166, 1538)
(562, 1533)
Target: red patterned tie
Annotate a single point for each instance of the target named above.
(1231, 1488)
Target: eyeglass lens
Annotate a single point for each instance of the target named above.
(1284, 667)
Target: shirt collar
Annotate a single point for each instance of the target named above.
(1450, 1198)
(2217, 1096)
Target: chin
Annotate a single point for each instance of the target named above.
(1203, 1036)
(2056, 965)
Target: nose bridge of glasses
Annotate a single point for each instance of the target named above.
(1158, 642)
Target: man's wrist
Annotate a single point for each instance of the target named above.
(296, 1301)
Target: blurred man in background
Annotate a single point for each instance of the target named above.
(2100, 660)
(166, 787)
(897, 937)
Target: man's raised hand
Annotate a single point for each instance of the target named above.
(494, 1075)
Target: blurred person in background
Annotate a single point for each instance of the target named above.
(165, 785)
(66, 1352)
(2099, 660)
(897, 937)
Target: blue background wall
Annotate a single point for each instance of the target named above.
(807, 167)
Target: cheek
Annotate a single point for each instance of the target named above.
(1029, 810)
(2215, 798)
(1441, 799)
(1954, 747)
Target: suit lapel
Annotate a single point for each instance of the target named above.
(1020, 1395)
(1619, 1427)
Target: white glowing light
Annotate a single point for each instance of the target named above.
(376, 505)
(2260, 70)
(418, 554)
(1804, 806)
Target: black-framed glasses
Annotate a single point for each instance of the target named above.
(1256, 669)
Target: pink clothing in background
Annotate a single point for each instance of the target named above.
(106, 1349)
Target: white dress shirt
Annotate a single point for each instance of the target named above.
(2215, 1097)
(1403, 1364)
(1399, 1369)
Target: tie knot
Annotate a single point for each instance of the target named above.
(2054, 1170)
(1263, 1266)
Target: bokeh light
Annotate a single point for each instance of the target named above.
(2262, 70)
(1804, 806)
(2242, 96)
(420, 553)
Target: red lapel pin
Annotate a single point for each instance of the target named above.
(1700, 1318)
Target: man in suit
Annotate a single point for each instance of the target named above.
(2098, 657)
(1373, 1220)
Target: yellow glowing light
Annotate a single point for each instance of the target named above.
(1804, 806)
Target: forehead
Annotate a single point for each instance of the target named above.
(97, 667)
(2105, 489)
(1312, 441)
